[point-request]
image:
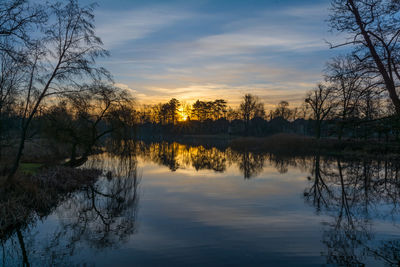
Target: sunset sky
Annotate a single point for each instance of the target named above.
(204, 49)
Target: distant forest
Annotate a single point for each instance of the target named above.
(358, 117)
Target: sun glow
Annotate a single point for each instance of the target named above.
(183, 116)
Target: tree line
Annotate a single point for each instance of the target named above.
(337, 107)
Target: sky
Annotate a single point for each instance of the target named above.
(210, 49)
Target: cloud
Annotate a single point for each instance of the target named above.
(251, 41)
(298, 28)
(125, 87)
(118, 28)
(308, 12)
(170, 51)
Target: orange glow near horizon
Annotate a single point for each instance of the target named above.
(183, 116)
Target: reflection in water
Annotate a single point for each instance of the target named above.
(357, 201)
(354, 193)
(176, 156)
(99, 215)
(103, 215)
(359, 196)
(251, 164)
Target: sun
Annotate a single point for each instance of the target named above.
(183, 116)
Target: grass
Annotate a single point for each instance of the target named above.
(30, 168)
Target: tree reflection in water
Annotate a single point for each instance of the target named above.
(251, 164)
(99, 215)
(176, 156)
(357, 195)
(360, 198)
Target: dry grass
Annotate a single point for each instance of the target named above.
(292, 144)
(281, 143)
(37, 151)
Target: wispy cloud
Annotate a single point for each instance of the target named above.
(309, 12)
(118, 28)
(246, 42)
(175, 51)
(125, 87)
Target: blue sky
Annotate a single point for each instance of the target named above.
(207, 49)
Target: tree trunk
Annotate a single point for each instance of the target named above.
(25, 261)
(340, 132)
(73, 153)
(389, 83)
(19, 154)
(318, 129)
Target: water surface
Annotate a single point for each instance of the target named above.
(165, 204)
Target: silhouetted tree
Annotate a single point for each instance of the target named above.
(214, 110)
(283, 111)
(320, 102)
(11, 75)
(64, 53)
(250, 108)
(169, 111)
(201, 110)
(373, 28)
(86, 117)
(18, 18)
(219, 109)
(349, 85)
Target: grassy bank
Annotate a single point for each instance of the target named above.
(38, 154)
(37, 151)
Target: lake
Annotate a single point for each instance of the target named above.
(170, 204)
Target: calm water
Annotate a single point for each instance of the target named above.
(175, 205)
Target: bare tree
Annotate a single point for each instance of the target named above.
(373, 28)
(17, 15)
(20, 24)
(320, 101)
(350, 85)
(232, 114)
(65, 53)
(250, 108)
(18, 18)
(283, 111)
(11, 77)
(85, 117)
